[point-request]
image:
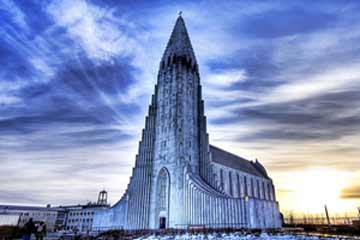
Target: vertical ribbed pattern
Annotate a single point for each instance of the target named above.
(135, 200)
(203, 205)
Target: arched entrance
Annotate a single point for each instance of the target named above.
(162, 198)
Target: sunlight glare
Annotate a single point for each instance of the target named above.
(315, 187)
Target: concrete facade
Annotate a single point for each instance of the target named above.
(179, 179)
(80, 217)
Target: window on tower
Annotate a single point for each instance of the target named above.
(163, 194)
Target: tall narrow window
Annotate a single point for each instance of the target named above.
(221, 179)
(230, 184)
(245, 186)
(272, 192)
(238, 185)
(263, 190)
(258, 188)
(162, 186)
(252, 187)
(163, 193)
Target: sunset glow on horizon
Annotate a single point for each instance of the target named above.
(321, 187)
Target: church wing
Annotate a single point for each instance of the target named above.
(232, 161)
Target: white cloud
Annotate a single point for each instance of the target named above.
(309, 76)
(313, 85)
(95, 28)
(43, 67)
(6, 91)
(8, 99)
(322, 63)
(225, 78)
(17, 15)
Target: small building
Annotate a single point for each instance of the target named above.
(80, 217)
(9, 219)
(71, 217)
(46, 214)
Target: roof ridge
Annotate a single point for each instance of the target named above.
(236, 162)
(230, 153)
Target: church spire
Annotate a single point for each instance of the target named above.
(179, 43)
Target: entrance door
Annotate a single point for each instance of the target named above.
(162, 222)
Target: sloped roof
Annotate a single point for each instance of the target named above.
(232, 161)
(179, 43)
(26, 208)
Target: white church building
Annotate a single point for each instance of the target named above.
(179, 179)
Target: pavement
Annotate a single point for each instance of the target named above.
(49, 236)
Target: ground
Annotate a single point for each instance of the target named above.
(235, 236)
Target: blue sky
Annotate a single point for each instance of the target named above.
(281, 82)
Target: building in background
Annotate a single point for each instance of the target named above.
(46, 214)
(80, 217)
(70, 217)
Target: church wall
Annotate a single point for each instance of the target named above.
(113, 218)
(263, 214)
(255, 186)
(216, 210)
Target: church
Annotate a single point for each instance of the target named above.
(179, 180)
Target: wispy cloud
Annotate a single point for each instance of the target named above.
(94, 28)
(353, 192)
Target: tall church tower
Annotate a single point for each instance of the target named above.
(178, 178)
(177, 144)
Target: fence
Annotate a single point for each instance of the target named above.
(210, 226)
(320, 219)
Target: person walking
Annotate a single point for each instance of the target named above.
(29, 228)
(40, 231)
